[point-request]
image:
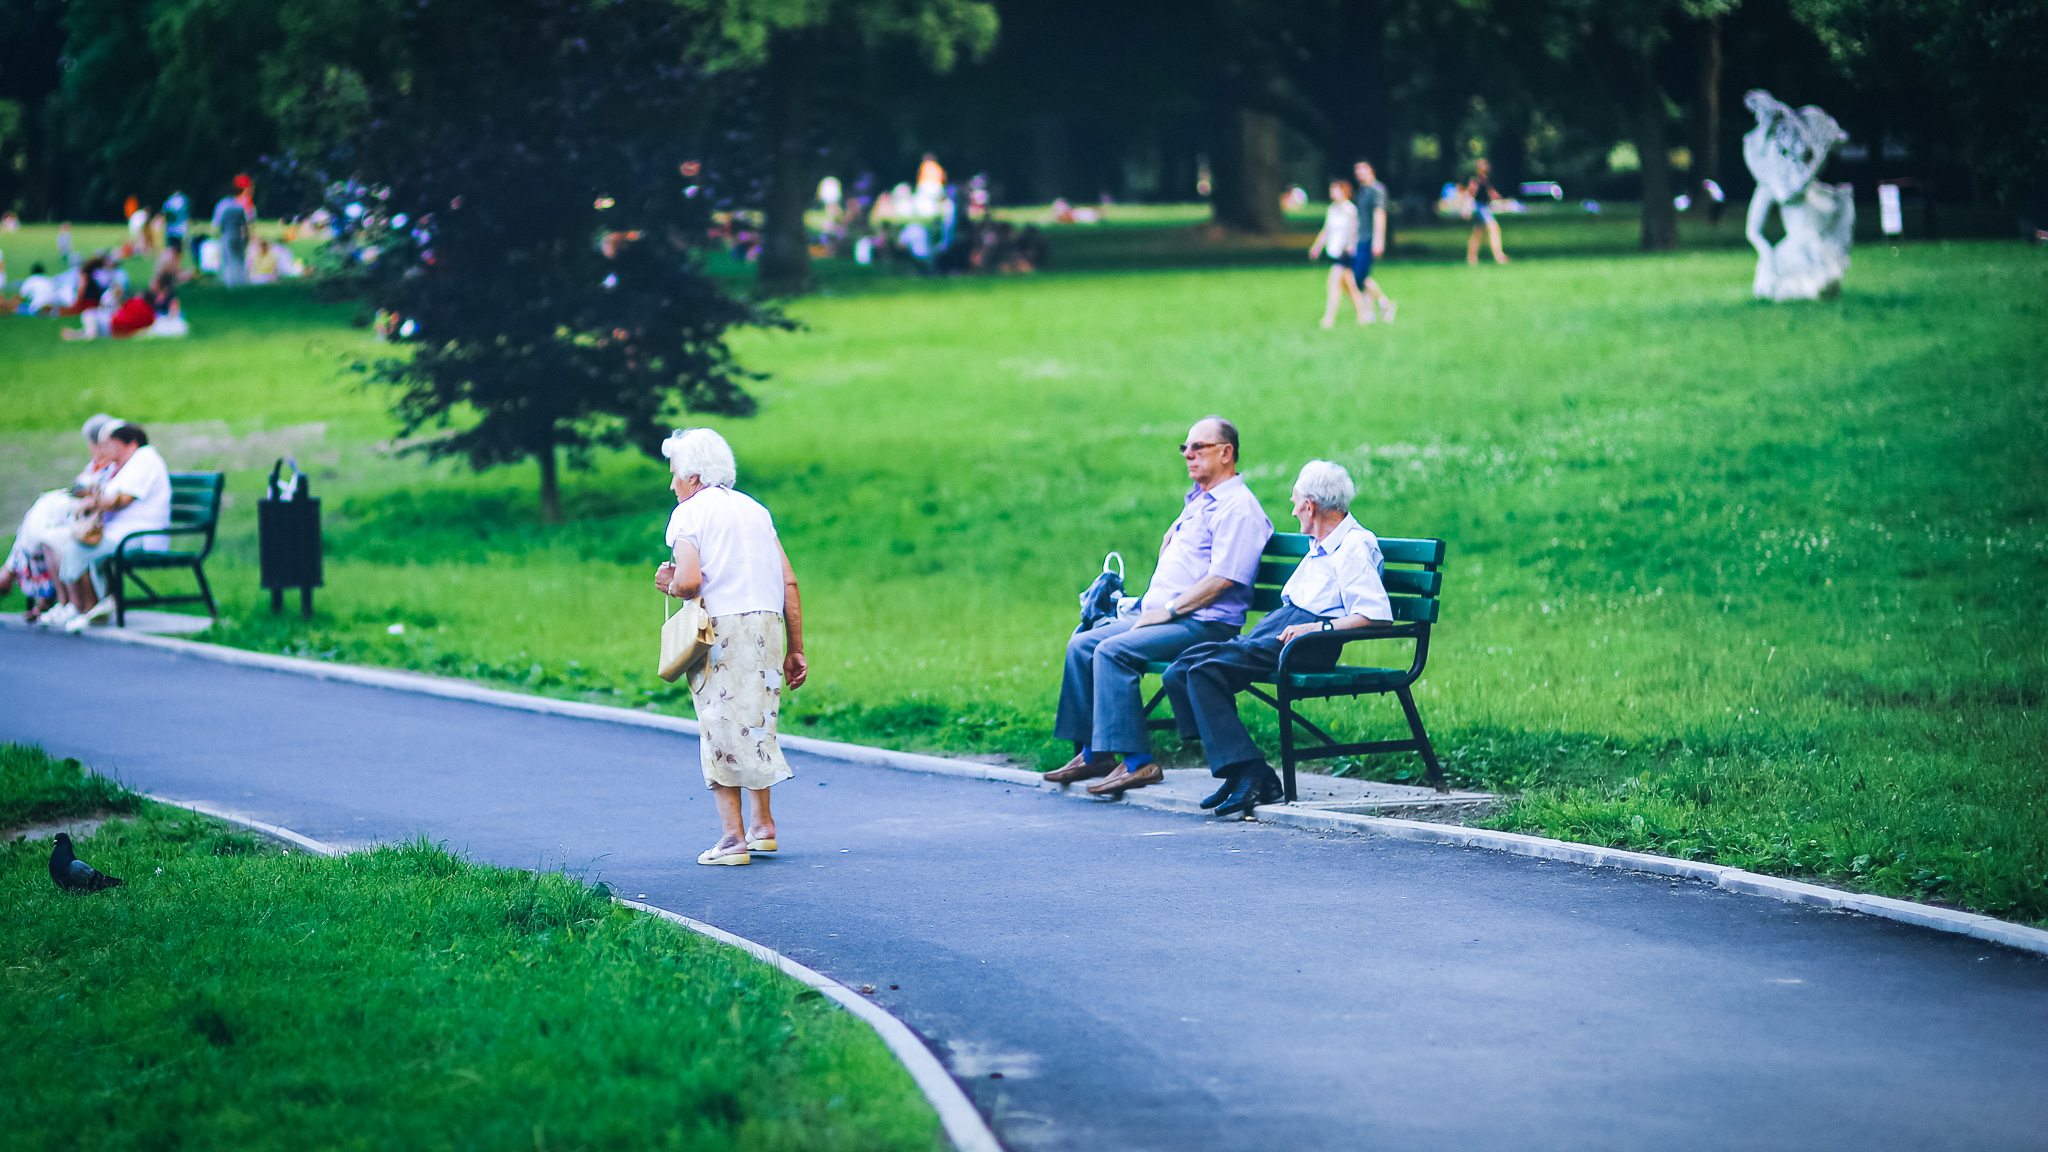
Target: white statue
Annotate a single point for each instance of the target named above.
(1785, 152)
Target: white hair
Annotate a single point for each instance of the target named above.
(98, 425)
(1326, 484)
(702, 453)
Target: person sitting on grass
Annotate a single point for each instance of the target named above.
(39, 293)
(1199, 593)
(92, 285)
(1337, 585)
(136, 499)
(49, 517)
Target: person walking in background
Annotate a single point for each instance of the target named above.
(1200, 591)
(177, 218)
(1371, 203)
(1479, 190)
(232, 220)
(1336, 242)
(726, 550)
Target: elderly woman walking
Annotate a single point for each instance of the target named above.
(726, 551)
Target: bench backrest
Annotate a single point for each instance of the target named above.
(195, 498)
(1412, 588)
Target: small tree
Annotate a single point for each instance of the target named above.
(525, 215)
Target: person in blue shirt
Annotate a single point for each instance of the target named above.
(177, 216)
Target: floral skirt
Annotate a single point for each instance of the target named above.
(738, 693)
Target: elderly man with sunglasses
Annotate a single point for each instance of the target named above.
(1199, 593)
(1339, 584)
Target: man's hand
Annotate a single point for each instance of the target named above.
(794, 669)
(663, 576)
(1288, 633)
(1153, 616)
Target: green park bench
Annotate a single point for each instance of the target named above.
(1413, 593)
(195, 511)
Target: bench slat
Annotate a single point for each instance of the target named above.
(1409, 582)
(1398, 551)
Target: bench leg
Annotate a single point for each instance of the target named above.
(1286, 708)
(205, 591)
(1436, 770)
(115, 590)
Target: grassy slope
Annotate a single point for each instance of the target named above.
(1755, 583)
(235, 996)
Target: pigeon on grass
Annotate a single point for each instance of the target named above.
(73, 874)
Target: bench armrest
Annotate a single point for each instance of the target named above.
(121, 550)
(1309, 647)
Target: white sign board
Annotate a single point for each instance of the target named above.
(1888, 216)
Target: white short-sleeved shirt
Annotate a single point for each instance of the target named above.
(148, 479)
(737, 550)
(1342, 576)
(1340, 229)
(1220, 532)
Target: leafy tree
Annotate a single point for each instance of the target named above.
(793, 42)
(525, 209)
(1984, 60)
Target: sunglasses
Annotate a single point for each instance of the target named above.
(1198, 446)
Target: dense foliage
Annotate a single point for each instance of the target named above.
(524, 214)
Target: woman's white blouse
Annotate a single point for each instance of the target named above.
(736, 548)
(1340, 228)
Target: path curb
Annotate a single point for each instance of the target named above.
(1971, 924)
(957, 1113)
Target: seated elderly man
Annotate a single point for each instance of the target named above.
(1337, 585)
(1199, 593)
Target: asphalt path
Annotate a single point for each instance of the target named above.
(1143, 979)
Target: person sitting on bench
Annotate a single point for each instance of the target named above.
(1200, 591)
(1337, 585)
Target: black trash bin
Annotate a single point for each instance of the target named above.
(288, 538)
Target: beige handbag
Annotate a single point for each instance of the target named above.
(685, 638)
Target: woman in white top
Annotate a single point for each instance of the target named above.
(136, 499)
(51, 516)
(726, 551)
(1336, 242)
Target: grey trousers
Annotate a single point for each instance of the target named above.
(1101, 706)
(1204, 681)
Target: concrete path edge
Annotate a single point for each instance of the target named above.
(1971, 924)
(962, 1121)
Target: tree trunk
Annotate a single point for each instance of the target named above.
(550, 487)
(785, 267)
(1706, 154)
(1660, 215)
(1247, 174)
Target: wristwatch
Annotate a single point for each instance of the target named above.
(1329, 625)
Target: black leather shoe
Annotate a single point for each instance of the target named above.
(1270, 789)
(1221, 794)
(1244, 795)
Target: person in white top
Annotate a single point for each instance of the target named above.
(726, 551)
(1336, 243)
(136, 499)
(1337, 585)
(49, 519)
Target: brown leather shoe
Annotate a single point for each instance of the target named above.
(1123, 780)
(1079, 769)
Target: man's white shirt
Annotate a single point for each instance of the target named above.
(1341, 576)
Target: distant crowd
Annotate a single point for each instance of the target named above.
(97, 289)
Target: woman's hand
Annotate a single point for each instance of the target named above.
(663, 576)
(795, 669)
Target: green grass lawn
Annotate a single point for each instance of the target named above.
(237, 995)
(1751, 583)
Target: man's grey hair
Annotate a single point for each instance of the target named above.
(702, 453)
(98, 425)
(1327, 484)
(1228, 431)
